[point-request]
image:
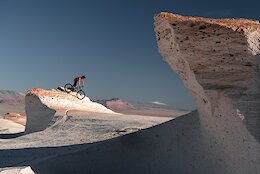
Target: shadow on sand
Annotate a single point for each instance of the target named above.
(172, 147)
(10, 136)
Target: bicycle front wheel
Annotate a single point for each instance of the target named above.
(68, 87)
(80, 94)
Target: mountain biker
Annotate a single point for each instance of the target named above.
(78, 80)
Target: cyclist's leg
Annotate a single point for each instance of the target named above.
(75, 83)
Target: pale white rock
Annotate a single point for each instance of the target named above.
(41, 106)
(218, 61)
(17, 170)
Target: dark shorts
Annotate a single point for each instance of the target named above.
(75, 83)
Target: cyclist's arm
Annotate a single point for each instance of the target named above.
(83, 82)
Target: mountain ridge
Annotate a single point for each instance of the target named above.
(140, 108)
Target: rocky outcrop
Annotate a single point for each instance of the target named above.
(218, 61)
(15, 117)
(45, 107)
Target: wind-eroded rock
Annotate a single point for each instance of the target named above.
(219, 62)
(41, 106)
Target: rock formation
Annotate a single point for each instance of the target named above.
(43, 107)
(218, 61)
(15, 117)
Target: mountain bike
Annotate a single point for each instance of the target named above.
(80, 94)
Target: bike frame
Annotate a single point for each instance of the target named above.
(77, 88)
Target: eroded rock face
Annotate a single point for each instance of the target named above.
(42, 106)
(219, 62)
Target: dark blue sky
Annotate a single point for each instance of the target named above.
(46, 43)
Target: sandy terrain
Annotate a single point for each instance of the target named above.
(82, 127)
(10, 127)
(79, 131)
(15, 117)
(5, 108)
(166, 148)
(68, 131)
(99, 147)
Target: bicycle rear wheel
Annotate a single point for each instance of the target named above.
(68, 87)
(80, 94)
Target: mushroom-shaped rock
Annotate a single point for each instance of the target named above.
(219, 62)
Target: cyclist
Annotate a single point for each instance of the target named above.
(78, 80)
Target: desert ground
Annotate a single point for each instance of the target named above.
(103, 143)
(70, 130)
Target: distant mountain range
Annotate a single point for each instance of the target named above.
(137, 108)
(11, 97)
(11, 101)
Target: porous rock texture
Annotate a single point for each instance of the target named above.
(218, 61)
(47, 107)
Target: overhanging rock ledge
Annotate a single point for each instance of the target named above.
(219, 62)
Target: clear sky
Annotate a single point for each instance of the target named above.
(46, 43)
